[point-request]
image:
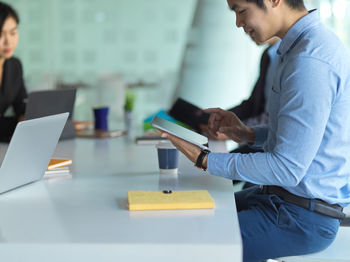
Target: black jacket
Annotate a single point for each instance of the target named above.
(12, 93)
(12, 90)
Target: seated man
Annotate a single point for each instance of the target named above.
(304, 170)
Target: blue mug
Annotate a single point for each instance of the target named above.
(168, 158)
(101, 118)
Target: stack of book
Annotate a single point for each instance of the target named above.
(58, 168)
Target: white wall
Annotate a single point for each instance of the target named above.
(221, 63)
(103, 44)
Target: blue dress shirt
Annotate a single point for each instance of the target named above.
(274, 61)
(307, 140)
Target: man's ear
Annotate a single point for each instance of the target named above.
(274, 3)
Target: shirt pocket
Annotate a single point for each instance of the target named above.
(276, 89)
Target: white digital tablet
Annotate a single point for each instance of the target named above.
(181, 132)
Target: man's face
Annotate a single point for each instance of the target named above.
(256, 22)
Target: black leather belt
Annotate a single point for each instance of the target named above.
(315, 205)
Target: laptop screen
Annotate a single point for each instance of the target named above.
(50, 102)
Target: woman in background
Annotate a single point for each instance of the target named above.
(12, 90)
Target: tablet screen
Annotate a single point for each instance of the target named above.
(180, 132)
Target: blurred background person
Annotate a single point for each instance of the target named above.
(12, 89)
(253, 111)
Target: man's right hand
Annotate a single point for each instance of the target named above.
(226, 122)
(205, 131)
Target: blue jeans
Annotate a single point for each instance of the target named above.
(272, 228)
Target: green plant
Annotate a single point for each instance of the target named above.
(129, 100)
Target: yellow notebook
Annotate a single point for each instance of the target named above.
(157, 200)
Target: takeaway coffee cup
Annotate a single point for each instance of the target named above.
(168, 158)
(101, 118)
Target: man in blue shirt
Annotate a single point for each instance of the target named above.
(306, 160)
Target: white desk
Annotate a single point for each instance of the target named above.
(86, 218)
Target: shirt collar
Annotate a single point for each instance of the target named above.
(302, 25)
(273, 49)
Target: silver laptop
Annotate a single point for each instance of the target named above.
(50, 102)
(30, 150)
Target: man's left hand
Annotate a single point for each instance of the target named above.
(190, 150)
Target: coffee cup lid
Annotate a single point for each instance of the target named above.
(165, 145)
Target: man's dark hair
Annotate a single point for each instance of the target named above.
(7, 11)
(294, 4)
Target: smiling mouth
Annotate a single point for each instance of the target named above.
(249, 32)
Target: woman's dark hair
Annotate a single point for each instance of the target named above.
(7, 11)
(294, 4)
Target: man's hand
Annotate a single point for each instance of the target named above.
(222, 121)
(190, 150)
(205, 130)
